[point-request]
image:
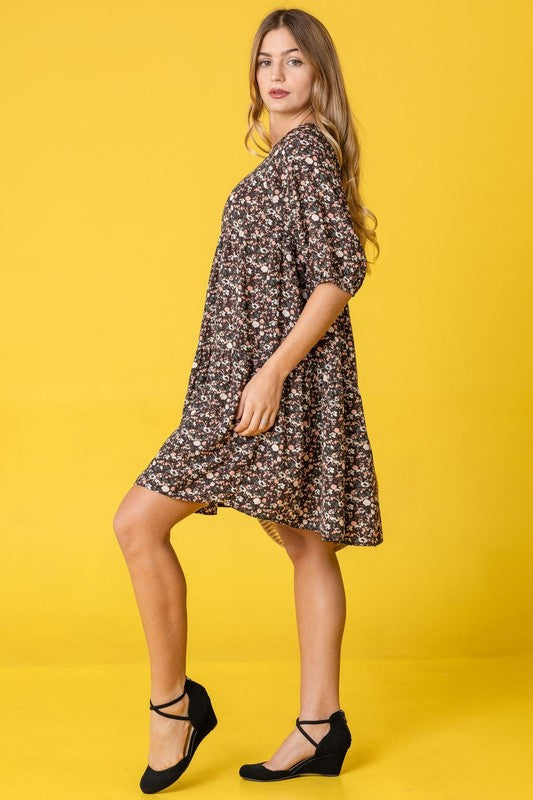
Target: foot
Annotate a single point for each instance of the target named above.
(169, 738)
(296, 746)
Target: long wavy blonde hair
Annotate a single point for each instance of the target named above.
(329, 102)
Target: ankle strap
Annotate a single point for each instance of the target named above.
(164, 705)
(300, 722)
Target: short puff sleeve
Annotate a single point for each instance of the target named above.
(327, 247)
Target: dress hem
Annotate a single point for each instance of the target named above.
(260, 519)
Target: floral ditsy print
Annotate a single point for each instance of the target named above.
(285, 229)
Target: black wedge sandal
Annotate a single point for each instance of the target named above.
(327, 760)
(203, 720)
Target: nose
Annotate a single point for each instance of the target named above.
(277, 73)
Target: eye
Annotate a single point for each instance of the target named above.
(266, 61)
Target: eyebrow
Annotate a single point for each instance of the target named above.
(284, 52)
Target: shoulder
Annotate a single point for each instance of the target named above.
(305, 150)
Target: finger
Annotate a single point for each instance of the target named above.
(241, 406)
(239, 412)
(258, 424)
(266, 421)
(241, 415)
(243, 423)
(268, 417)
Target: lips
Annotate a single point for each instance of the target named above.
(278, 93)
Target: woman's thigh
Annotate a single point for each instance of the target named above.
(143, 509)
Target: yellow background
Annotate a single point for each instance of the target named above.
(122, 135)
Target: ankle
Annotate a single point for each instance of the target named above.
(318, 712)
(163, 694)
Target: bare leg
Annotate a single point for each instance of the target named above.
(142, 524)
(320, 613)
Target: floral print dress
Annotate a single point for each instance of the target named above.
(285, 229)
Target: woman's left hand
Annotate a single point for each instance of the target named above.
(259, 403)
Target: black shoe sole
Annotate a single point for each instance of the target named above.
(327, 766)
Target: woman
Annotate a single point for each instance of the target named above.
(273, 423)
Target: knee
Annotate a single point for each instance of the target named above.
(126, 529)
(131, 531)
(310, 552)
(303, 545)
(296, 546)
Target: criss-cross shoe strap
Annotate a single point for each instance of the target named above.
(300, 722)
(164, 705)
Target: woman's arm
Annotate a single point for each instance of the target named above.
(261, 396)
(321, 310)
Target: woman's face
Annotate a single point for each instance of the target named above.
(282, 66)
